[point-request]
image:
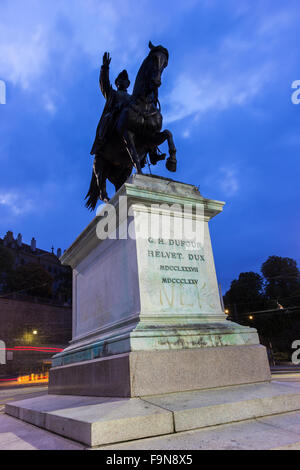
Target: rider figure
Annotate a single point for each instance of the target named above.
(115, 101)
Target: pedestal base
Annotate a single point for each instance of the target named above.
(101, 421)
(147, 316)
(141, 373)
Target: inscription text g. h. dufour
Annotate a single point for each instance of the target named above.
(179, 264)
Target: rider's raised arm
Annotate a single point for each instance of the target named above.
(105, 85)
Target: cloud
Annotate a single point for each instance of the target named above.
(192, 95)
(274, 24)
(32, 32)
(227, 179)
(41, 44)
(36, 36)
(229, 182)
(239, 67)
(23, 53)
(16, 202)
(35, 198)
(49, 103)
(186, 134)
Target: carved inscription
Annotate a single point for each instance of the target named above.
(178, 266)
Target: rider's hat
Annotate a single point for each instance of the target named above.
(122, 76)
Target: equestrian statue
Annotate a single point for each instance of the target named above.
(130, 126)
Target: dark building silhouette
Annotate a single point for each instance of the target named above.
(32, 328)
(27, 254)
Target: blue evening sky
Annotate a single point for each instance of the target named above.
(226, 96)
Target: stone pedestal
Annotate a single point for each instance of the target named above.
(147, 317)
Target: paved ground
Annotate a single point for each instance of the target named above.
(17, 435)
(20, 393)
(273, 432)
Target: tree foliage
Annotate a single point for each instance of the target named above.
(282, 280)
(6, 260)
(30, 279)
(280, 284)
(246, 292)
(64, 289)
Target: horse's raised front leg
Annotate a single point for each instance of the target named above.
(130, 146)
(171, 162)
(100, 175)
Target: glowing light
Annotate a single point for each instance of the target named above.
(250, 317)
(34, 378)
(226, 311)
(35, 332)
(29, 379)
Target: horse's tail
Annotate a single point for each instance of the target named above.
(93, 194)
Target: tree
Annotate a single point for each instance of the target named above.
(282, 280)
(30, 279)
(7, 260)
(64, 289)
(246, 293)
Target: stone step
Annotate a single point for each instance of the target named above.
(200, 409)
(98, 421)
(94, 421)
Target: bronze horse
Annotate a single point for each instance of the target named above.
(135, 129)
